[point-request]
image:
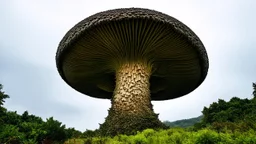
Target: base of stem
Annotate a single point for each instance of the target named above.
(129, 124)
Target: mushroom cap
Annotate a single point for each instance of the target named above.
(89, 53)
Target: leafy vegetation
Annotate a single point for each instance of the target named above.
(229, 122)
(174, 136)
(254, 90)
(30, 129)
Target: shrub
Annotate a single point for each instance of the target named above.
(9, 134)
(207, 137)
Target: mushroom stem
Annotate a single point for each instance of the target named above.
(132, 94)
(131, 109)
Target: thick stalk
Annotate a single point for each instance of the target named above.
(132, 94)
(131, 109)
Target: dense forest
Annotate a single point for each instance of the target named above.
(232, 121)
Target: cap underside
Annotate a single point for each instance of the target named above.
(89, 63)
(90, 52)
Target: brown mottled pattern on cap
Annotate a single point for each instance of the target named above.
(128, 13)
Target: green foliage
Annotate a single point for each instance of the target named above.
(30, 129)
(235, 110)
(12, 118)
(207, 137)
(33, 131)
(230, 126)
(176, 136)
(3, 110)
(72, 133)
(27, 128)
(55, 131)
(10, 134)
(254, 90)
(3, 96)
(90, 133)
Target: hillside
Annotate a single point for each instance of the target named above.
(184, 123)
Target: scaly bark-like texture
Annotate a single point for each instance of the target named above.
(131, 109)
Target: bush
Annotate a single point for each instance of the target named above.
(10, 134)
(207, 137)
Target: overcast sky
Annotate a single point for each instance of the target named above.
(30, 32)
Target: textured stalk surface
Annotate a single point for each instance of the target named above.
(131, 109)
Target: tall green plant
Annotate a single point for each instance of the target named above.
(3, 96)
(254, 90)
(55, 131)
(3, 110)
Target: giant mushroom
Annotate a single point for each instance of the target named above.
(132, 56)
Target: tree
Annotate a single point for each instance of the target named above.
(55, 131)
(72, 133)
(12, 118)
(235, 111)
(26, 117)
(2, 96)
(28, 128)
(254, 90)
(10, 134)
